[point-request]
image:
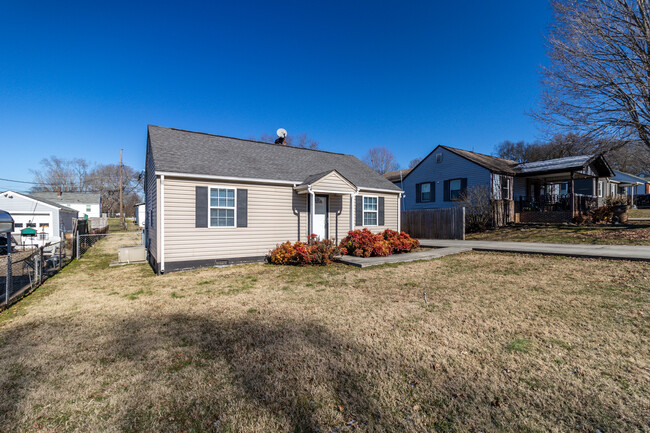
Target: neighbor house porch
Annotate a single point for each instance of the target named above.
(560, 191)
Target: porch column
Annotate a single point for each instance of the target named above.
(573, 196)
(312, 206)
(352, 213)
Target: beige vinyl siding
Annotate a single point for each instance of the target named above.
(333, 182)
(275, 214)
(390, 211)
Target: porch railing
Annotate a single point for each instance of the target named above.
(557, 203)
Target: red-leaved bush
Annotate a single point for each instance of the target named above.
(400, 242)
(299, 253)
(364, 243)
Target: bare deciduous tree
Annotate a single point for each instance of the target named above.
(414, 162)
(477, 202)
(598, 81)
(105, 179)
(381, 160)
(629, 157)
(67, 175)
(302, 140)
(75, 175)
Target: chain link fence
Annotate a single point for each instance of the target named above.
(23, 271)
(84, 242)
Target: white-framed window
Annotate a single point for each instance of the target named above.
(426, 192)
(88, 208)
(455, 189)
(600, 188)
(222, 207)
(612, 190)
(369, 211)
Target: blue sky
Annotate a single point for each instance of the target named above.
(83, 79)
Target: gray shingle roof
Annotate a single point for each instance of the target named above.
(492, 163)
(44, 200)
(557, 164)
(397, 175)
(69, 197)
(180, 151)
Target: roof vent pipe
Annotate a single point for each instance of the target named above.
(282, 135)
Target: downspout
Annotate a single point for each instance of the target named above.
(162, 223)
(312, 205)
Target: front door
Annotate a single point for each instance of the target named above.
(320, 216)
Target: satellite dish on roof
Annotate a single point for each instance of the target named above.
(281, 132)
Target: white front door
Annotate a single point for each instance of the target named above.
(320, 216)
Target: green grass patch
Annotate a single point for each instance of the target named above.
(523, 345)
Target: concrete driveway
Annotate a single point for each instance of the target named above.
(623, 252)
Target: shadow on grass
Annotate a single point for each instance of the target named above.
(299, 374)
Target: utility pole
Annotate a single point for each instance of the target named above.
(121, 189)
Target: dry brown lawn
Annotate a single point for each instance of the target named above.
(506, 343)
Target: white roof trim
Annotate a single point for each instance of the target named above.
(229, 178)
(254, 180)
(390, 191)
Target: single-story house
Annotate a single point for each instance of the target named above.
(88, 204)
(140, 214)
(525, 192)
(50, 220)
(213, 200)
(629, 184)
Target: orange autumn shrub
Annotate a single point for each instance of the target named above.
(314, 252)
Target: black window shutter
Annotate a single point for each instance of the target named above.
(358, 211)
(201, 206)
(418, 193)
(242, 207)
(463, 186)
(380, 211)
(433, 191)
(446, 191)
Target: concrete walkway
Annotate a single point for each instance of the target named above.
(364, 262)
(623, 252)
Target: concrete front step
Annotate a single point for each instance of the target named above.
(434, 253)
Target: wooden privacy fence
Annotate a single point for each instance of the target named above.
(435, 223)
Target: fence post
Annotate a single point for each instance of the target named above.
(40, 265)
(8, 281)
(463, 213)
(77, 241)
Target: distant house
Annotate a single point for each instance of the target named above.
(553, 190)
(213, 200)
(140, 213)
(86, 203)
(629, 184)
(50, 220)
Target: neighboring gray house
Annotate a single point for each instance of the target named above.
(50, 220)
(629, 184)
(526, 192)
(214, 200)
(88, 204)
